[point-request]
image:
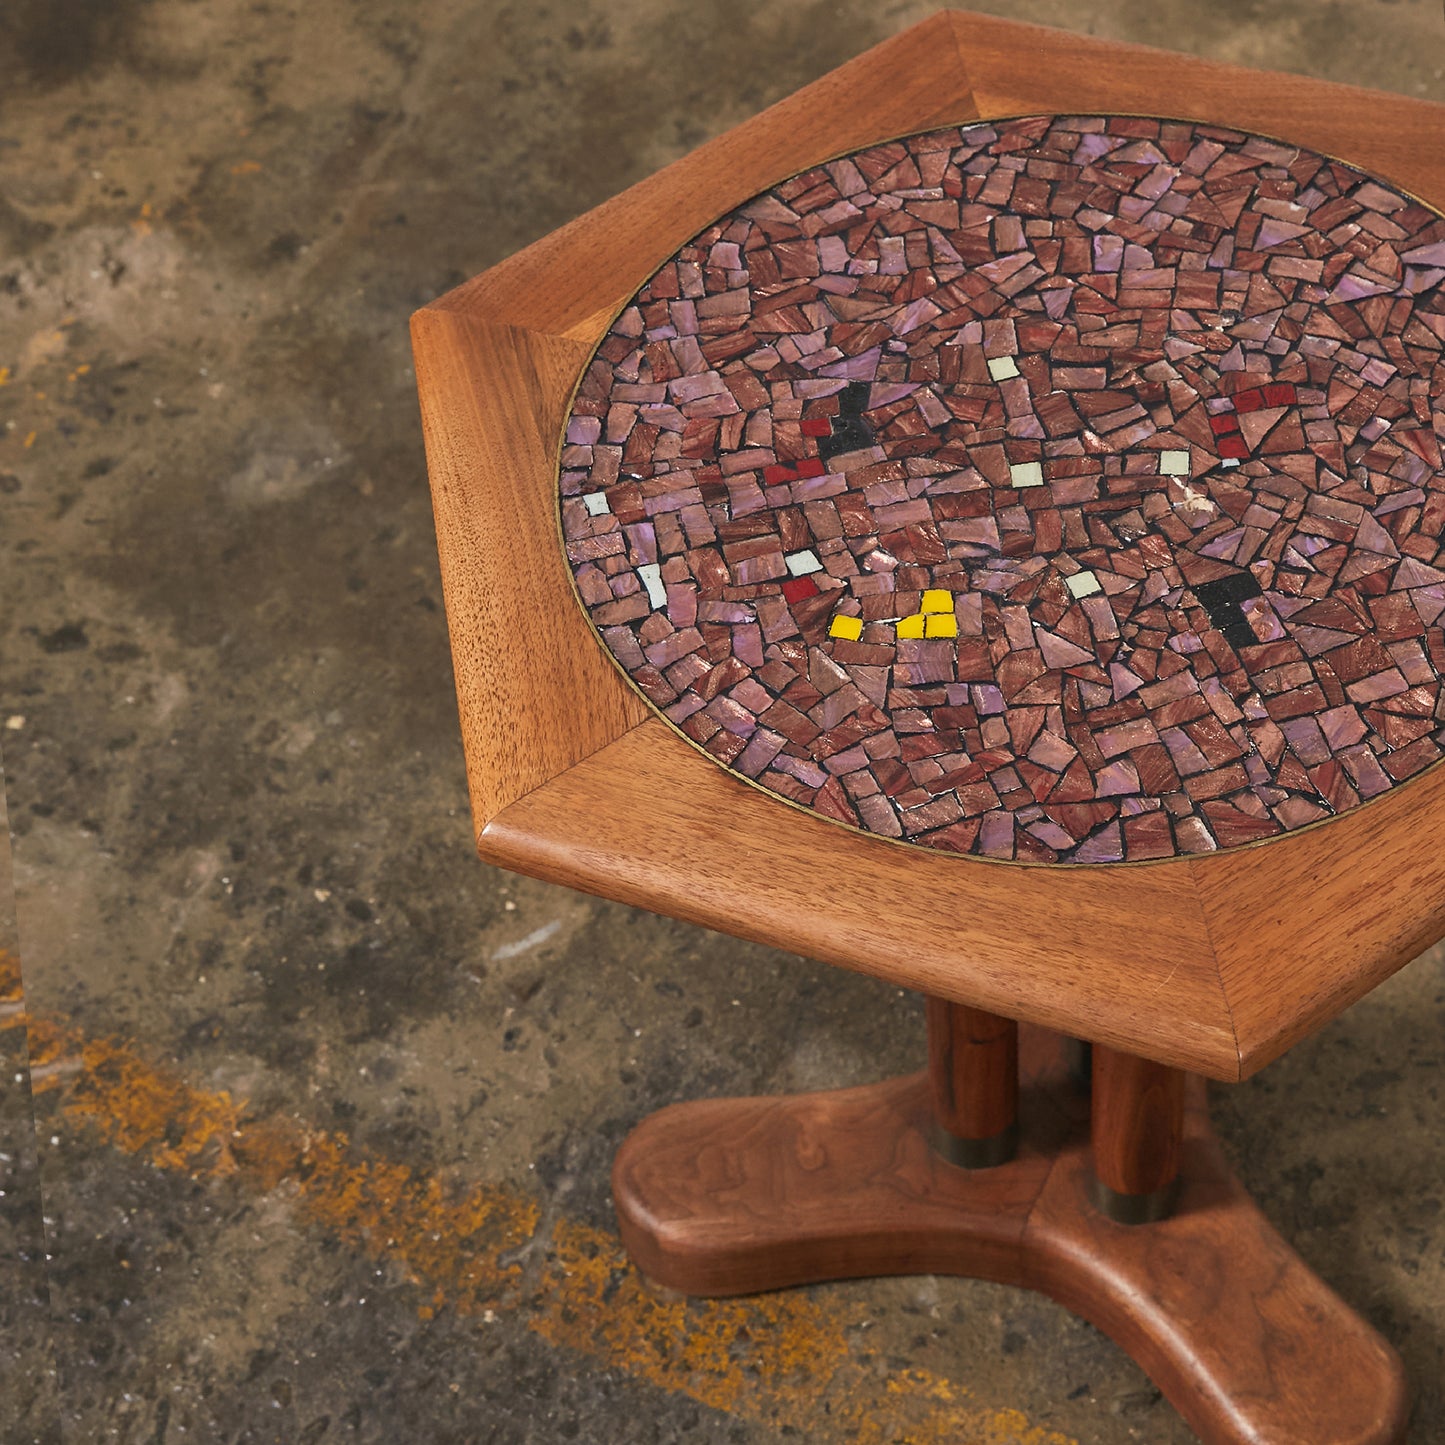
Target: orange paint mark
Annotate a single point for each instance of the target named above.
(11, 993)
(4, 375)
(246, 168)
(30, 440)
(774, 1355)
(437, 1233)
(788, 1360)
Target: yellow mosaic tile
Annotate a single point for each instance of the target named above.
(848, 628)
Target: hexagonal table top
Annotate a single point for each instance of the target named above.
(1064, 489)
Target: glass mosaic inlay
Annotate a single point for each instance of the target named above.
(1061, 489)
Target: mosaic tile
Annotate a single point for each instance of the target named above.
(1083, 584)
(1065, 489)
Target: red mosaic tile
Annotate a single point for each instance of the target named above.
(1064, 489)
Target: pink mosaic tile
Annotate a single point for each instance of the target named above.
(1065, 489)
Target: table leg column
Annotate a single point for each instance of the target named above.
(973, 1072)
(1137, 1124)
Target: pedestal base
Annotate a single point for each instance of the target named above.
(735, 1196)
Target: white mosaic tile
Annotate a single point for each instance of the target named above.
(651, 575)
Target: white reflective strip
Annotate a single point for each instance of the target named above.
(651, 575)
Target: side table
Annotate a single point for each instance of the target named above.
(979, 523)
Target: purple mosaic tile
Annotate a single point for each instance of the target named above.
(1065, 489)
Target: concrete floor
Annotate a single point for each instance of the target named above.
(324, 1107)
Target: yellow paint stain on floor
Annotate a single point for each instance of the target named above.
(788, 1359)
(447, 1239)
(596, 1300)
(11, 991)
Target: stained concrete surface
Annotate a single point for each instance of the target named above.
(28, 1402)
(241, 853)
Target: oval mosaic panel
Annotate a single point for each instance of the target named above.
(1064, 489)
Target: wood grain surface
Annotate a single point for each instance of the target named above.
(732, 1196)
(493, 403)
(1016, 69)
(973, 1065)
(910, 82)
(1304, 927)
(1118, 955)
(1136, 1122)
(1214, 963)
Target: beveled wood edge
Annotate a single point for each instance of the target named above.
(1286, 970)
(1021, 69)
(493, 400)
(1125, 960)
(1312, 988)
(910, 81)
(963, 65)
(1304, 925)
(515, 306)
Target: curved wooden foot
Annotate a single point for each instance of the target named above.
(733, 1196)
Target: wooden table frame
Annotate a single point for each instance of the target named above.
(732, 1196)
(1213, 964)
